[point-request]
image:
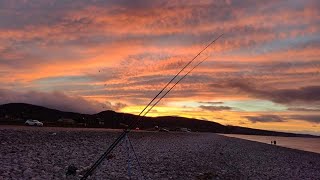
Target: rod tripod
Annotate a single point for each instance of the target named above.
(128, 146)
(146, 111)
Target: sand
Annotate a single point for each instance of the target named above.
(45, 153)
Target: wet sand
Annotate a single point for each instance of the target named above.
(45, 153)
(302, 143)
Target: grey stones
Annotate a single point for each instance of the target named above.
(161, 155)
(28, 173)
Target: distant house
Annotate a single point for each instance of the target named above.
(66, 121)
(183, 129)
(101, 122)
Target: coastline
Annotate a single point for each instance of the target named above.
(308, 144)
(45, 153)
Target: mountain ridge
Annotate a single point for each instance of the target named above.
(17, 113)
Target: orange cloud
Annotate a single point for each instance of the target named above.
(128, 51)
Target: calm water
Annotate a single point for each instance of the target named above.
(306, 144)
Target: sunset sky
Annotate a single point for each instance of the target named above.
(92, 55)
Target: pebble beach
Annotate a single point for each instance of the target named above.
(47, 152)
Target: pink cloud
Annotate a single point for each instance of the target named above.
(57, 100)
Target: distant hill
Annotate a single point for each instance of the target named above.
(27, 111)
(17, 113)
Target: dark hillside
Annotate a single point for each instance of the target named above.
(18, 113)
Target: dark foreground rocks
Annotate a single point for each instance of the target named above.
(46, 153)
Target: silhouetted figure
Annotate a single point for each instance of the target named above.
(271, 142)
(275, 142)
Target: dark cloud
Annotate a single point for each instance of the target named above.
(302, 94)
(148, 80)
(242, 123)
(215, 108)
(210, 102)
(308, 118)
(57, 100)
(118, 106)
(304, 109)
(307, 94)
(288, 65)
(275, 118)
(265, 118)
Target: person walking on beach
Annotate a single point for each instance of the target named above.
(275, 142)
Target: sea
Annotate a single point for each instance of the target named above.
(301, 143)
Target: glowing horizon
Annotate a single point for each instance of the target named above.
(90, 56)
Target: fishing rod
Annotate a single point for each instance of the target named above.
(179, 73)
(162, 98)
(174, 86)
(139, 116)
(124, 133)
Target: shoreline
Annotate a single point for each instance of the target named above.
(298, 143)
(30, 152)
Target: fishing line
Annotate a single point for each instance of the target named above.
(124, 133)
(174, 86)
